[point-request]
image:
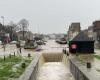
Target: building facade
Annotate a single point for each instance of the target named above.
(74, 30)
(27, 35)
(96, 30)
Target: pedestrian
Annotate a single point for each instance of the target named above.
(20, 50)
(63, 50)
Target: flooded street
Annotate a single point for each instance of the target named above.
(54, 71)
(52, 46)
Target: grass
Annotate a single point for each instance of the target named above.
(97, 56)
(98, 70)
(84, 58)
(11, 67)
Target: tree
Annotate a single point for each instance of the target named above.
(11, 29)
(23, 24)
(2, 28)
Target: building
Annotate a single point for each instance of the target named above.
(96, 30)
(74, 30)
(90, 32)
(28, 35)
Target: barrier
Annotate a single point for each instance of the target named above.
(31, 71)
(81, 72)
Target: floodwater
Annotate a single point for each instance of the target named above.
(54, 71)
(52, 46)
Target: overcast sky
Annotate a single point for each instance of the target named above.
(51, 16)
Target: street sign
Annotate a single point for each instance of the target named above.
(73, 46)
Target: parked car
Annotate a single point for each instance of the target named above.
(13, 42)
(40, 42)
(0, 42)
(61, 41)
(30, 44)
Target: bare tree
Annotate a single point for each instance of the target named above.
(11, 29)
(23, 24)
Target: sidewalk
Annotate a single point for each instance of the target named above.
(97, 51)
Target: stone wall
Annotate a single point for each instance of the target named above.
(31, 71)
(81, 72)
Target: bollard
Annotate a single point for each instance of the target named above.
(88, 65)
(9, 55)
(4, 58)
(14, 53)
(67, 54)
(23, 65)
(29, 55)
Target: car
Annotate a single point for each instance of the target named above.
(0, 42)
(40, 42)
(30, 44)
(13, 42)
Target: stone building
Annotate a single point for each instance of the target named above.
(96, 30)
(74, 30)
(90, 32)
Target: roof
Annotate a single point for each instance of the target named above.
(82, 37)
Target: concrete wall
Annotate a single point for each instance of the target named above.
(52, 57)
(81, 72)
(31, 71)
